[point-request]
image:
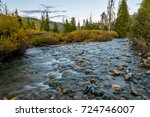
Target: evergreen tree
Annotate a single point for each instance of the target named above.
(18, 17)
(42, 24)
(27, 24)
(79, 25)
(67, 27)
(55, 29)
(33, 25)
(122, 21)
(47, 27)
(141, 22)
(86, 24)
(73, 24)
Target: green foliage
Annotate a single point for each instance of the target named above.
(29, 24)
(14, 44)
(45, 39)
(90, 36)
(122, 21)
(55, 29)
(70, 26)
(88, 25)
(44, 25)
(8, 25)
(141, 22)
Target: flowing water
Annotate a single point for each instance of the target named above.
(76, 71)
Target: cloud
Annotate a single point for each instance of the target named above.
(41, 11)
(58, 16)
(46, 6)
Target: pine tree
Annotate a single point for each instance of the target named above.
(86, 24)
(67, 27)
(122, 21)
(27, 24)
(73, 24)
(55, 29)
(79, 25)
(47, 27)
(141, 24)
(33, 25)
(42, 24)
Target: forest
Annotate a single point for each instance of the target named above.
(121, 34)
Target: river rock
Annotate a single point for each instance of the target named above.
(128, 76)
(148, 72)
(116, 86)
(115, 73)
(148, 58)
(63, 90)
(121, 67)
(93, 81)
(134, 91)
(140, 54)
(88, 72)
(82, 63)
(15, 98)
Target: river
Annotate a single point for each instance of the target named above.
(99, 70)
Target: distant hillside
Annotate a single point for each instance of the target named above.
(37, 23)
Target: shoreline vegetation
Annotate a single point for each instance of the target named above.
(18, 33)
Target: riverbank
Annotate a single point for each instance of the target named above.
(17, 44)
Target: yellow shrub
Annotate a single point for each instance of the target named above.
(89, 35)
(113, 34)
(45, 39)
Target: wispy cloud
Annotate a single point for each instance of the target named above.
(41, 11)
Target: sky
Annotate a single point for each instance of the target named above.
(80, 9)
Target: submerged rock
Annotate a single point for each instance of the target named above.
(115, 73)
(134, 91)
(148, 72)
(128, 76)
(116, 86)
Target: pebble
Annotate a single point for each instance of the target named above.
(148, 72)
(15, 98)
(128, 76)
(115, 73)
(63, 90)
(93, 81)
(116, 86)
(88, 72)
(134, 91)
(140, 54)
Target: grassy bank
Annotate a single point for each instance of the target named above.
(17, 43)
(72, 37)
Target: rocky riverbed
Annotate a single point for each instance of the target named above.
(84, 71)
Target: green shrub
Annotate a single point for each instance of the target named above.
(13, 45)
(8, 25)
(90, 36)
(45, 39)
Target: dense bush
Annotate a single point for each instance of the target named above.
(140, 28)
(90, 36)
(13, 45)
(8, 25)
(45, 39)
